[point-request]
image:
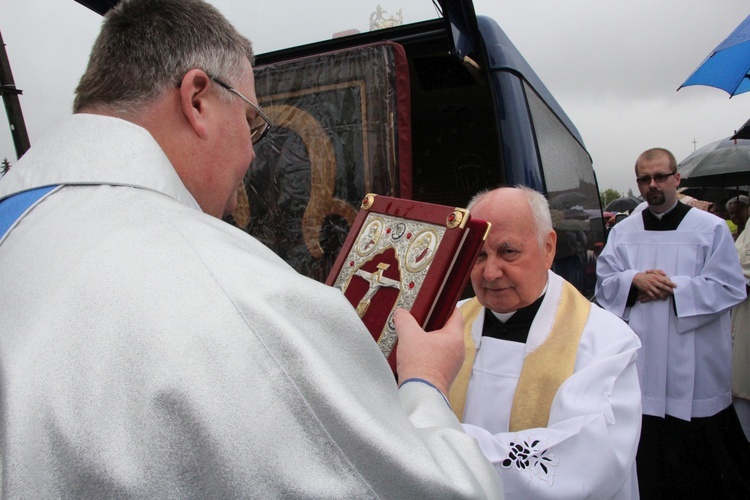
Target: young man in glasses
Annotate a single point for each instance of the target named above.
(671, 271)
(150, 350)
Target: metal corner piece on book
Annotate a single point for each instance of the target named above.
(368, 201)
(457, 218)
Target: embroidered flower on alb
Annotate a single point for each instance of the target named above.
(534, 459)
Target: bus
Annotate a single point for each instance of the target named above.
(434, 111)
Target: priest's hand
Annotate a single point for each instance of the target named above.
(653, 284)
(432, 356)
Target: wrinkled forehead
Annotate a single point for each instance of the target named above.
(510, 226)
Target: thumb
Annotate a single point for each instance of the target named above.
(405, 323)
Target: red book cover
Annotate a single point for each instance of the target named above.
(409, 254)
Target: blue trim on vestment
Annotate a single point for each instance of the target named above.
(15, 206)
(423, 381)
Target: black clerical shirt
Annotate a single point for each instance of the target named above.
(516, 329)
(670, 221)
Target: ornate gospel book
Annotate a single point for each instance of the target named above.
(409, 254)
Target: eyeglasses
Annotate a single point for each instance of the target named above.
(261, 124)
(645, 180)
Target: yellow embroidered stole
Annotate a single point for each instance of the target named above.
(544, 369)
(457, 393)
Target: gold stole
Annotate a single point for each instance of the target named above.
(457, 393)
(544, 369)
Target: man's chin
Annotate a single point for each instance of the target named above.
(656, 200)
(499, 301)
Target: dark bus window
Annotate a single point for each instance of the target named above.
(573, 196)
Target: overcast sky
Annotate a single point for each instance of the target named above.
(614, 66)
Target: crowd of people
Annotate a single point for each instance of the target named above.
(149, 349)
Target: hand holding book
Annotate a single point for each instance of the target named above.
(434, 356)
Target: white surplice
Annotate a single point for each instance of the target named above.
(741, 341)
(685, 363)
(588, 449)
(741, 326)
(150, 350)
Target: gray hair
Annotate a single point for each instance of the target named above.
(741, 200)
(147, 46)
(539, 210)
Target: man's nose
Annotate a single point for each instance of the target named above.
(493, 268)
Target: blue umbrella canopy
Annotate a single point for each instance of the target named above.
(727, 67)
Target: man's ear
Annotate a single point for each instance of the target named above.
(194, 103)
(550, 247)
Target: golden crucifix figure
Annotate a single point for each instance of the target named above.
(376, 281)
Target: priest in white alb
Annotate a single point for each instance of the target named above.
(549, 386)
(150, 350)
(671, 271)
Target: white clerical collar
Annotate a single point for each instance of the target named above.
(503, 317)
(659, 216)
